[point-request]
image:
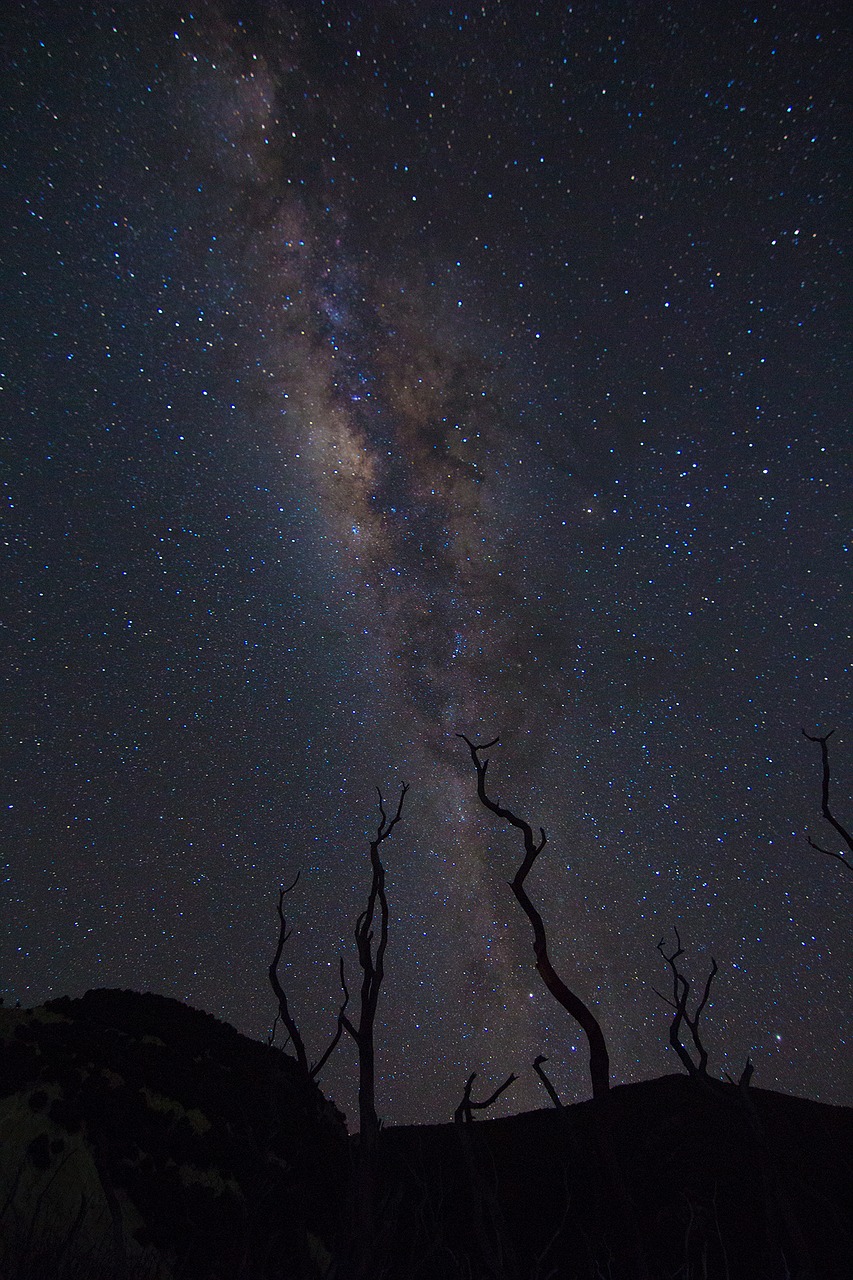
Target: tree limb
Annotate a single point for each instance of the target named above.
(824, 803)
(745, 1076)
(333, 1043)
(284, 1011)
(680, 993)
(371, 958)
(464, 1112)
(552, 1092)
(599, 1063)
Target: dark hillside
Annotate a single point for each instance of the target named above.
(715, 1188)
(143, 1139)
(140, 1133)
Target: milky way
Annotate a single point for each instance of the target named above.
(375, 377)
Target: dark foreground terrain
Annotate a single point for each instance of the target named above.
(141, 1138)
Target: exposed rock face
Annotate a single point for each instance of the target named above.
(142, 1137)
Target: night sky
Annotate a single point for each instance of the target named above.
(377, 372)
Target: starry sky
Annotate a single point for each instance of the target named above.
(377, 372)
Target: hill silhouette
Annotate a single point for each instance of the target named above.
(143, 1138)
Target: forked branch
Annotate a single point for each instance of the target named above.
(371, 959)
(824, 803)
(283, 1008)
(464, 1113)
(680, 993)
(599, 1063)
(745, 1076)
(284, 1013)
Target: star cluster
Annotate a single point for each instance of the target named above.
(377, 373)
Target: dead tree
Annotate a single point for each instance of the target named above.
(372, 962)
(464, 1113)
(572, 1141)
(745, 1077)
(371, 958)
(552, 1092)
(308, 1072)
(599, 1062)
(824, 805)
(680, 992)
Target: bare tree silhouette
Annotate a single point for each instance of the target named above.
(599, 1062)
(372, 962)
(371, 958)
(824, 803)
(284, 1013)
(680, 993)
(549, 1087)
(464, 1113)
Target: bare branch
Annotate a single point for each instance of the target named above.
(824, 803)
(284, 1011)
(661, 996)
(333, 1043)
(599, 1063)
(493, 1097)
(344, 1019)
(371, 958)
(552, 1092)
(680, 993)
(464, 1112)
(693, 1023)
(745, 1076)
